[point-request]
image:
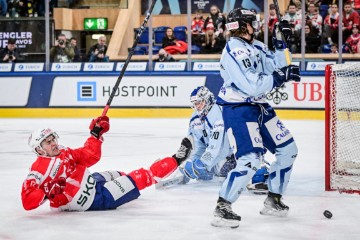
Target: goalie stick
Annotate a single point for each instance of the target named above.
(168, 182)
(131, 52)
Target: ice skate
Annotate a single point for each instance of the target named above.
(224, 216)
(274, 206)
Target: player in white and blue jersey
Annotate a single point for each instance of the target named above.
(212, 155)
(249, 71)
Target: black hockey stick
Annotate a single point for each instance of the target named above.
(286, 50)
(131, 52)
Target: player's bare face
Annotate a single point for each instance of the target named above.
(50, 146)
(199, 105)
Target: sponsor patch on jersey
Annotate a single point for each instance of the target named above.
(55, 169)
(196, 124)
(254, 132)
(232, 25)
(119, 187)
(278, 131)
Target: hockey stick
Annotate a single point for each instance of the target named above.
(286, 50)
(137, 38)
(171, 181)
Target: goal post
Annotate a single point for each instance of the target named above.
(342, 127)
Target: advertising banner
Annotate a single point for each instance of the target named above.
(98, 67)
(29, 67)
(134, 91)
(14, 91)
(309, 93)
(66, 67)
(170, 66)
(28, 32)
(132, 66)
(206, 66)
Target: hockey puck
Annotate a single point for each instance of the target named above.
(327, 214)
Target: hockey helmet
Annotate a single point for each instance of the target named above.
(239, 17)
(202, 94)
(38, 136)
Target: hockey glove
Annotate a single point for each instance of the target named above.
(286, 74)
(99, 126)
(281, 34)
(54, 187)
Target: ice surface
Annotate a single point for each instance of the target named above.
(182, 212)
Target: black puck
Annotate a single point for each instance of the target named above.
(327, 214)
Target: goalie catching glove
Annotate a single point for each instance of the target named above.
(286, 74)
(99, 126)
(54, 187)
(184, 150)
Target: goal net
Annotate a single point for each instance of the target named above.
(342, 111)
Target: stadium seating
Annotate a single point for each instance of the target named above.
(144, 38)
(180, 33)
(159, 33)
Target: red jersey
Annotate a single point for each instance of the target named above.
(71, 164)
(350, 19)
(332, 20)
(354, 41)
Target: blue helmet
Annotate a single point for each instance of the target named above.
(202, 94)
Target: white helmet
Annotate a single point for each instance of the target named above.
(38, 136)
(202, 94)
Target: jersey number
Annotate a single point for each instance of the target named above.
(205, 133)
(215, 135)
(246, 63)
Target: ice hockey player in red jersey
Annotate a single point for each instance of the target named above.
(61, 174)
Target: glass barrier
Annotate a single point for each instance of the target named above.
(179, 31)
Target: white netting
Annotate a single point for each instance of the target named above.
(345, 127)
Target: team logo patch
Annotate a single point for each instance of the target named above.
(278, 131)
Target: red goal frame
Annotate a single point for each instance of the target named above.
(330, 129)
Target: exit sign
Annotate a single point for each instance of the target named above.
(95, 23)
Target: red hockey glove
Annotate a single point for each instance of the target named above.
(99, 126)
(54, 187)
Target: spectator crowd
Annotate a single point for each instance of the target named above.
(209, 32)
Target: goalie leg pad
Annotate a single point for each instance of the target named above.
(196, 170)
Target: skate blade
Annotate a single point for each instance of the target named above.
(272, 212)
(221, 222)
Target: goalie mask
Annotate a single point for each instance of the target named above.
(202, 100)
(38, 136)
(237, 20)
